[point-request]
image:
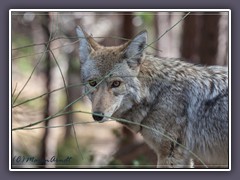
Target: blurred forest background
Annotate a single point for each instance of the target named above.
(46, 79)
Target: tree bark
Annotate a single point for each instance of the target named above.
(46, 33)
(190, 39)
(127, 27)
(209, 38)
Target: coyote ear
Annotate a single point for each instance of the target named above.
(135, 49)
(84, 47)
(87, 44)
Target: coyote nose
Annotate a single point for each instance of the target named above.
(96, 117)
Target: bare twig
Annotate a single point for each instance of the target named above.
(120, 120)
(42, 95)
(40, 59)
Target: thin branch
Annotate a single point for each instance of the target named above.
(42, 44)
(40, 59)
(53, 49)
(63, 109)
(42, 95)
(28, 79)
(14, 90)
(169, 29)
(60, 70)
(119, 120)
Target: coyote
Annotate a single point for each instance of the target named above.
(180, 109)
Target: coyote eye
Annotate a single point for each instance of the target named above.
(92, 83)
(115, 84)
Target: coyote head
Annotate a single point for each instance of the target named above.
(110, 73)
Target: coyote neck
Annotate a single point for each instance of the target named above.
(163, 81)
(152, 78)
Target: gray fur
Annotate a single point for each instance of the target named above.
(185, 102)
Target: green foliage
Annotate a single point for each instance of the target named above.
(21, 41)
(31, 104)
(147, 17)
(74, 65)
(68, 151)
(24, 64)
(115, 163)
(140, 161)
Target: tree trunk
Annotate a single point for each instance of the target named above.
(190, 39)
(127, 27)
(46, 33)
(157, 33)
(209, 39)
(200, 38)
